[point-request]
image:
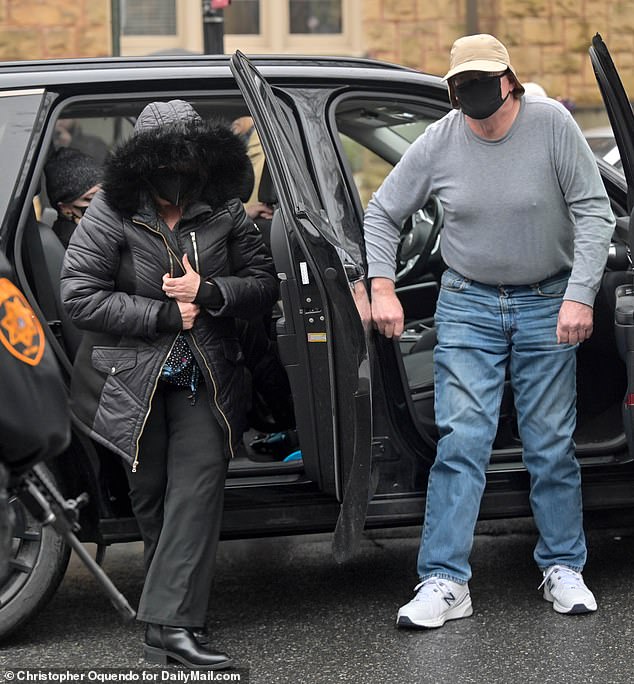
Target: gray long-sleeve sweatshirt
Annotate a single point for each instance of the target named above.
(517, 210)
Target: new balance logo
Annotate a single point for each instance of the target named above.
(449, 598)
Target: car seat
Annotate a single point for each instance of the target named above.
(44, 257)
(418, 367)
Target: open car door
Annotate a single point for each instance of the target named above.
(320, 337)
(622, 121)
(618, 108)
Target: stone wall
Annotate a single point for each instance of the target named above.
(548, 40)
(49, 29)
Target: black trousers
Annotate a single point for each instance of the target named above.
(177, 496)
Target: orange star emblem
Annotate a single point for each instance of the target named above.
(20, 331)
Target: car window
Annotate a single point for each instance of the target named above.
(603, 144)
(95, 127)
(18, 115)
(368, 169)
(374, 135)
(92, 135)
(600, 145)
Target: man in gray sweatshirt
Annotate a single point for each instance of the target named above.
(526, 234)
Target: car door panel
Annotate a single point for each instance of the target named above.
(622, 121)
(618, 108)
(329, 336)
(304, 363)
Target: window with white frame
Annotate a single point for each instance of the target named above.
(318, 27)
(314, 16)
(294, 26)
(149, 26)
(243, 17)
(148, 17)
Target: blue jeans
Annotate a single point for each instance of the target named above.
(482, 331)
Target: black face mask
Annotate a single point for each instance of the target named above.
(81, 210)
(176, 188)
(77, 213)
(482, 97)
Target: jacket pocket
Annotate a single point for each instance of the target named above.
(113, 360)
(232, 351)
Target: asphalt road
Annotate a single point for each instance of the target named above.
(287, 612)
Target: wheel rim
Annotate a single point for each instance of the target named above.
(25, 551)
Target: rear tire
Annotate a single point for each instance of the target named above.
(37, 563)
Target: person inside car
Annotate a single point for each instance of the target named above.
(161, 264)
(69, 133)
(72, 180)
(526, 236)
(244, 128)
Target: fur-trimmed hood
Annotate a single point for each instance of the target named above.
(172, 135)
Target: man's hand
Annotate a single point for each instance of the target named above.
(575, 322)
(185, 288)
(188, 313)
(259, 210)
(387, 312)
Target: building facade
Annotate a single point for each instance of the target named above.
(548, 39)
(49, 29)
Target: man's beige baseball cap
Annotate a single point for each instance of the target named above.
(481, 52)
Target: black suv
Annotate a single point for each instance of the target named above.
(331, 128)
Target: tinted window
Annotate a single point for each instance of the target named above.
(95, 127)
(17, 118)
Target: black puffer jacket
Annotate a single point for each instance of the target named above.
(112, 278)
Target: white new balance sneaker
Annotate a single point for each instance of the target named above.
(437, 600)
(566, 590)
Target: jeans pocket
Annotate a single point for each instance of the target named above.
(552, 287)
(453, 281)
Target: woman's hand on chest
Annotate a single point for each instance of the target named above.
(185, 288)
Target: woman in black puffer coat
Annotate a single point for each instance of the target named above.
(162, 263)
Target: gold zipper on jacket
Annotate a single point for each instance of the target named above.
(156, 382)
(171, 255)
(192, 235)
(170, 252)
(211, 375)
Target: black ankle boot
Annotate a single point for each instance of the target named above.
(201, 635)
(163, 643)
